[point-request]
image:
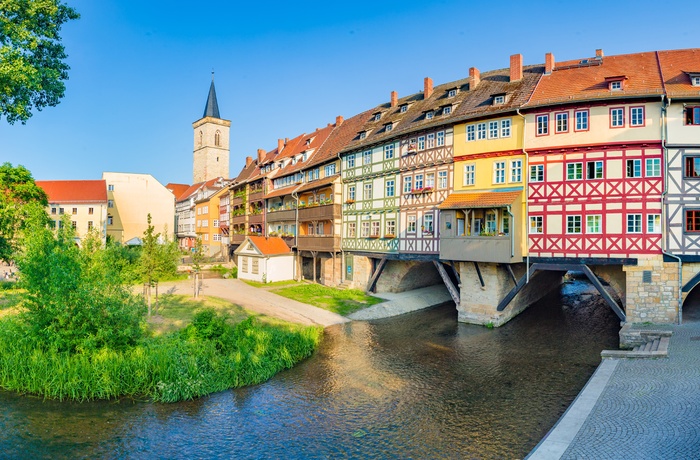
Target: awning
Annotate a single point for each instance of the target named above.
(480, 200)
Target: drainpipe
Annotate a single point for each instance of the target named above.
(526, 191)
(296, 229)
(343, 269)
(664, 132)
(512, 233)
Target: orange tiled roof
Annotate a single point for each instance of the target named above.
(470, 200)
(74, 191)
(271, 245)
(674, 67)
(177, 189)
(586, 79)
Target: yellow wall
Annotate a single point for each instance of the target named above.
(206, 212)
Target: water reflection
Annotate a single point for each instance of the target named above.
(419, 386)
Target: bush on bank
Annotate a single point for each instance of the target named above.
(209, 355)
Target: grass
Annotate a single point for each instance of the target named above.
(177, 311)
(271, 286)
(10, 298)
(341, 301)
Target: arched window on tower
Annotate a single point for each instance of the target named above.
(199, 142)
(217, 138)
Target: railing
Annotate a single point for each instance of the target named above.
(237, 219)
(322, 212)
(284, 215)
(496, 249)
(330, 243)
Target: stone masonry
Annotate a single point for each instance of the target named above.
(652, 291)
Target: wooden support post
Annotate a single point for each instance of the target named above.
(478, 272)
(455, 271)
(512, 275)
(375, 275)
(611, 302)
(454, 293)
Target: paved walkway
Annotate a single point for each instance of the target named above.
(635, 408)
(398, 303)
(258, 300)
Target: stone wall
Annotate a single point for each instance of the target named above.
(652, 291)
(400, 276)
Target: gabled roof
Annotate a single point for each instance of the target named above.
(269, 246)
(211, 109)
(585, 79)
(177, 189)
(474, 200)
(338, 139)
(676, 65)
(74, 191)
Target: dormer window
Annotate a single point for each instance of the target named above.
(694, 78)
(452, 93)
(499, 99)
(616, 83)
(294, 160)
(447, 110)
(363, 134)
(377, 116)
(403, 108)
(389, 127)
(303, 157)
(429, 115)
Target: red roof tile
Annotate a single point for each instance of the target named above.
(271, 245)
(74, 191)
(473, 200)
(675, 66)
(177, 189)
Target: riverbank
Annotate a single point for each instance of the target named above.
(635, 408)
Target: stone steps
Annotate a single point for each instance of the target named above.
(656, 348)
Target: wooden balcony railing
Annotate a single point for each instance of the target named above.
(324, 212)
(330, 243)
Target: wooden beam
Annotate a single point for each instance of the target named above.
(375, 276)
(512, 275)
(518, 286)
(454, 293)
(611, 302)
(478, 272)
(455, 271)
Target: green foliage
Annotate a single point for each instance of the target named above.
(32, 67)
(20, 195)
(198, 255)
(73, 301)
(341, 301)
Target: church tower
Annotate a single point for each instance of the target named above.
(211, 142)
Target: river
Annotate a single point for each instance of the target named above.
(416, 386)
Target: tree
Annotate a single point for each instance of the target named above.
(197, 261)
(32, 67)
(18, 195)
(158, 258)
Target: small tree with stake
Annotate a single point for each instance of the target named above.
(197, 260)
(158, 259)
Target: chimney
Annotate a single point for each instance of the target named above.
(599, 54)
(427, 87)
(475, 77)
(548, 63)
(248, 161)
(339, 120)
(280, 145)
(261, 155)
(394, 98)
(516, 67)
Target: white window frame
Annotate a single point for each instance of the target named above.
(499, 172)
(536, 223)
(389, 151)
(440, 138)
(480, 131)
(407, 184)
(594, 224)
(442, 179)
(516, 170)
(634, 223)
(469, 174)
(652, 167)
(411, 224)
(653, 223)
(573, 223)
(505, 127)
(574, 171)
(493, 129)
(536, 173)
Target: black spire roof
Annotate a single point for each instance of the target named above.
(212, 107)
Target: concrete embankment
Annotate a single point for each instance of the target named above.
(403, 302)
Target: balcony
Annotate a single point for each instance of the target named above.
(237, 238)
(280, 216)
(240, 219)
(496, 249)
(255, 195)
(329, 243)
(325, 212)
(255, 219)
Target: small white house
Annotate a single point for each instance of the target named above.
(265, 259)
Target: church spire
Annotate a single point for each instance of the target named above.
(212, 107)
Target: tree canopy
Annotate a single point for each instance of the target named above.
(32, 57)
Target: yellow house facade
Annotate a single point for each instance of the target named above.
(207, 223)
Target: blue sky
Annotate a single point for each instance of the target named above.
(140, 70)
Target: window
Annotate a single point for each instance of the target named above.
(692, 115)
(452, 93)
(217, 138)
(389, 127)
(419, 181)
(653, 167)
(653, 223)
(367, 157)
(352, 229)
(53, 210)
(593, 224)
(429, 115)
(431, 140)
(350, 160)
(469, 173)
(421, 143)
(499, 172)
(562, 122)
(536, 173)
(390, 188)
(493, 129)
(574, 171)
(309, 228)
(505, 127)
(501, 99)
(636, 116)
(110, 187)
(490, 223)
(110, 204)
(319, 228)
(615, 85)
(692, 166)
(447, 110)
(412, 224)
(594, 170)
(363, 134)
(505, 224)
(329, 170)
(430, 180)
(73, 224)
(617, 118)
(471, 133)
(634, 223)
(516, 170)
(255, 264)
(481, 131)
(440, 138)
(581, 120)
(90, 225)
(692, 220)
(573, 224)
(535, 224)
(215, 223)
(391, 227)
(110, 220)
(442, 179)
(407, 184)
(351, 192)
(377, 116)
(634, 168)
(74, 211)
(404, 108)
(217, 237)
(695, 80)
(389, 151)
(375, 228)
(244, 264)
(427, 223)
(367, 194)
(542, 125)
(206, 237)
(365, 230)
(91, 211)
